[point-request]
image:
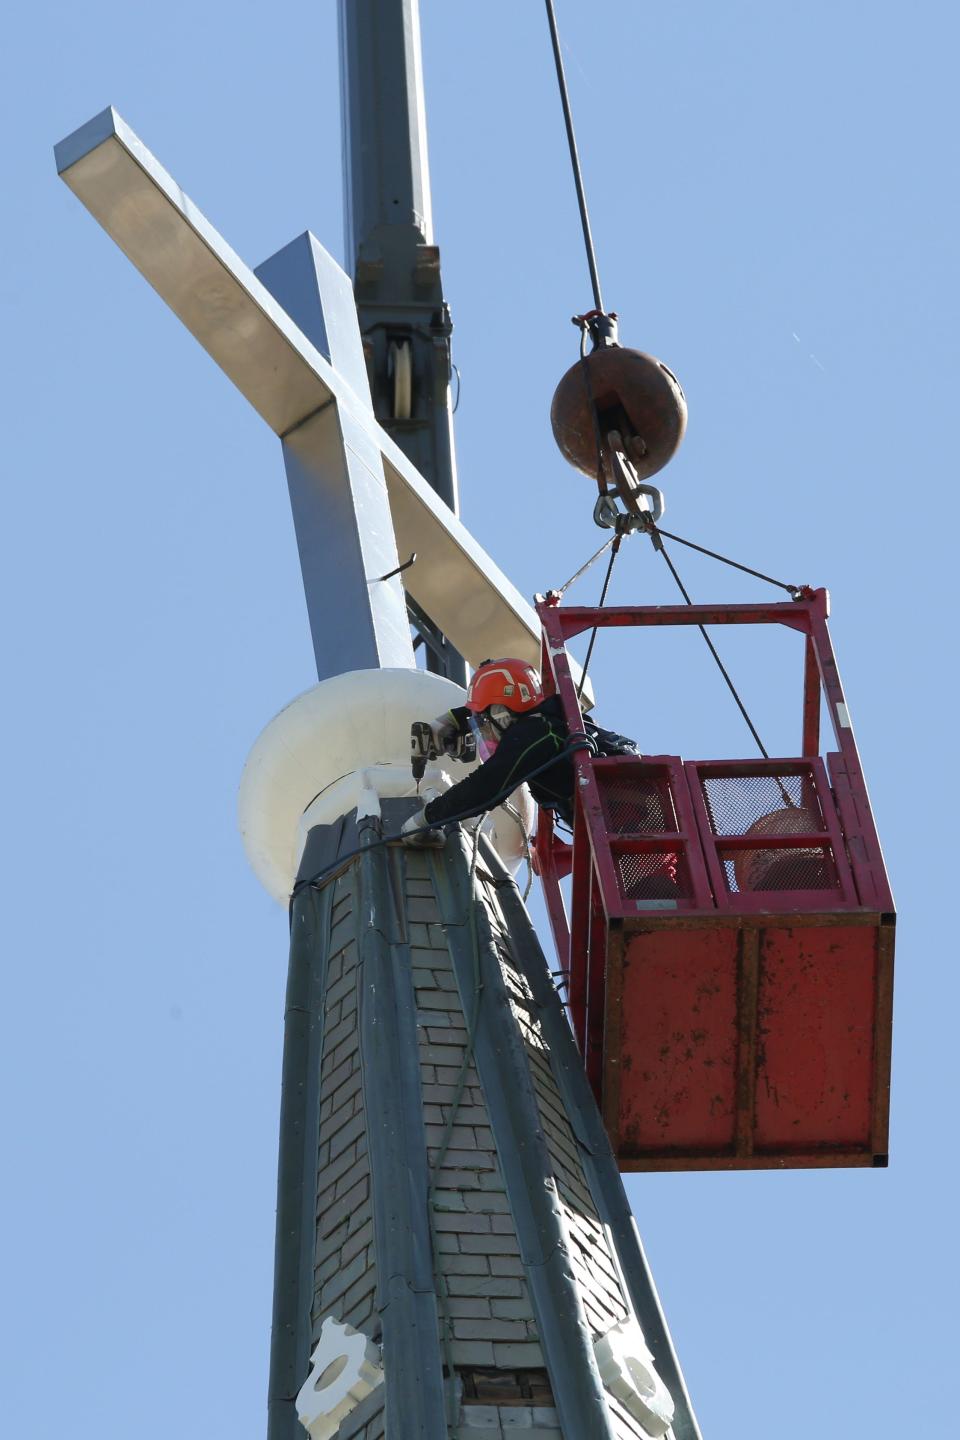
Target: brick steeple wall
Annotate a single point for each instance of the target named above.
(466, 1213)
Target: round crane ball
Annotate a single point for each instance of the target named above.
(634, 394)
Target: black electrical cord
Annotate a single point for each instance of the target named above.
(576, 741)
(574, 158)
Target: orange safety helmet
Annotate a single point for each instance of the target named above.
(512, 683)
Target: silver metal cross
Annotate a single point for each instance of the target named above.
(287, 336)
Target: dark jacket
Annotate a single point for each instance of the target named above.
(534, 739)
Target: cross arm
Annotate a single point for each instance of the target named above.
(284, 376)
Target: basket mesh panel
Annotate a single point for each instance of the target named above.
(652, 877)
(736, 803)
(635, 803)
(801, 869)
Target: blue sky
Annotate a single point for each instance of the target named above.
(773, 194)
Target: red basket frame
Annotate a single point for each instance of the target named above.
(597, 901)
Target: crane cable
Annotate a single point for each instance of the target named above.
(575, 160)
(656, 535)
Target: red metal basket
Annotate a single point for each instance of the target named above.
(730, 942)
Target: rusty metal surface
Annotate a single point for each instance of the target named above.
(815, 1060)
(634, 394)
(730, 945)
(751, 1047)
(678, 1036)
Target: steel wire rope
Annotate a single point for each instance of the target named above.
(793, 590)
(585, 567)
(617, 541)
(713, 650)
(574, 158)
(656, 535)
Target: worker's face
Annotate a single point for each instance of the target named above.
(489, 734)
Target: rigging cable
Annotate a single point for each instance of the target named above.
(659, 545)
(657, 537)
(793, 590)
(575, 159)
(615, 550)
(584, 568)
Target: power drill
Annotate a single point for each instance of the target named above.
(423, 747)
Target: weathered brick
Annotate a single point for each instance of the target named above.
(465, 1160)
(346, 985)
(510, 1308)
(469, 1114)
(435, 1000)
(359, 1304)
(448, 1200)
(447, 1056)
(330, 1239)
(518, 1354)
(343, 1030)
(502, 1246)
(460, 1136)
(345, 1091)
(452, 1033)
(472, 1352)
(352, 1177)
(460, 1307)
(506, 1264)
(345, 1205)
(342, 934)
(516, 1417)
(332, 1171)
(346, 1050)
(479, 1329)
(333, 1076)
(449, 1074)
(359, 1217)
(438, 1094)
(357, 1241)
(476, 1266)
(329, 1267)
(480, 1417)
(489, 1286)
(487, 1200)
(338, 1118)
(422, 909)
(462, 1223)
(343, 1278)
(345, 1135)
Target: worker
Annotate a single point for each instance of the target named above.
(525, 731)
